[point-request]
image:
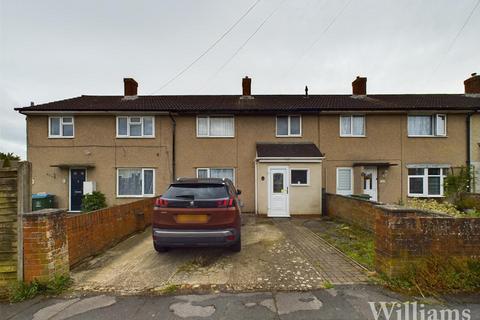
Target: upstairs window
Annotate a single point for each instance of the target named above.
(352, 126)
(426, 182)
(60, 127)
(135, 127)
(427, 125)
(215, 126)
(289, 126)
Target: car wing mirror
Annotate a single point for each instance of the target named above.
(239, 192)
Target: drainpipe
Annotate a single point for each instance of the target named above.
(174, 126)
(256, 186)
(469, 160)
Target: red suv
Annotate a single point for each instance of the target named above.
(198, 213)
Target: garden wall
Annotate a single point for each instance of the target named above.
(406, 236)
(358, 212)
(91, 233)
(56, 241)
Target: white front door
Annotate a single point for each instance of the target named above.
(278, 192)
(370, 182)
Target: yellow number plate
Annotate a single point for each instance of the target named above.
(192, 218)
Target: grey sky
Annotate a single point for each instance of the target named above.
(52, 50)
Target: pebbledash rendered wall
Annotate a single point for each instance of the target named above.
(405, 236)
(55, 241)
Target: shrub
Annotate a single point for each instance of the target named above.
(94, 201)
(438, 275)
(433, 205)
(7, 157)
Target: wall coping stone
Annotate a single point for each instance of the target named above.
(353, 198)
(43, 213)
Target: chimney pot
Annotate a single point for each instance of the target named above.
(247, 86)
(359, 86)
(32, 103)
(472, 84)
(130, 87)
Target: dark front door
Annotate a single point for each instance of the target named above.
(77, 177)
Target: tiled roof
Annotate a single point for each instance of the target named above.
(262, 103)
(288, 150)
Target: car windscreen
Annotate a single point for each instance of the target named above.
(196, 191)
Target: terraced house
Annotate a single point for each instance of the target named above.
(280, 150)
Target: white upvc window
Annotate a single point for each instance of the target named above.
(427, 125)
(352, 126)
(345, 181)
(61, 127)
(215, 126)
(299, 177)
(426, 182)
(135, 127)
(289, 126)
(135, 182)
(221, 173)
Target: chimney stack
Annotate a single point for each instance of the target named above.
(247, 86)
(359, 86)
(130, 87)
(472, 85)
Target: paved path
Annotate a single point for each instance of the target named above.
(332, 265)
(276, 255)
(341, 302)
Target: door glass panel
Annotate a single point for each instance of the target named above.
(277, 182)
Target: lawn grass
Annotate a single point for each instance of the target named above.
(355, 242)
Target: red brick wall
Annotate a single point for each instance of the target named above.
(408, 237)
(45, 246)
(93, 232)
(355, 211)
(405, 236)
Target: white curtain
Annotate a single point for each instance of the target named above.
(122, 126)
(221, 173)
(345, 125)
(54, 126)
(148, 126)
(202, 126)
(130, 182)
(295, 125)
(202, 173)
(148, 182)
(420, 125)
(441, 121)
(358, 125)
(221, 126)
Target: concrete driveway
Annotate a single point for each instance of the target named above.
(276, 255)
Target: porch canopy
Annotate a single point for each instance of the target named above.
(294, 151)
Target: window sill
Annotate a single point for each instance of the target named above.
(300, 185)
(343, 136)
(427, 136)
(135, 197)
(145, 137)
(289, 136)
(215, 137)
(424, 196)
(54, 137)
